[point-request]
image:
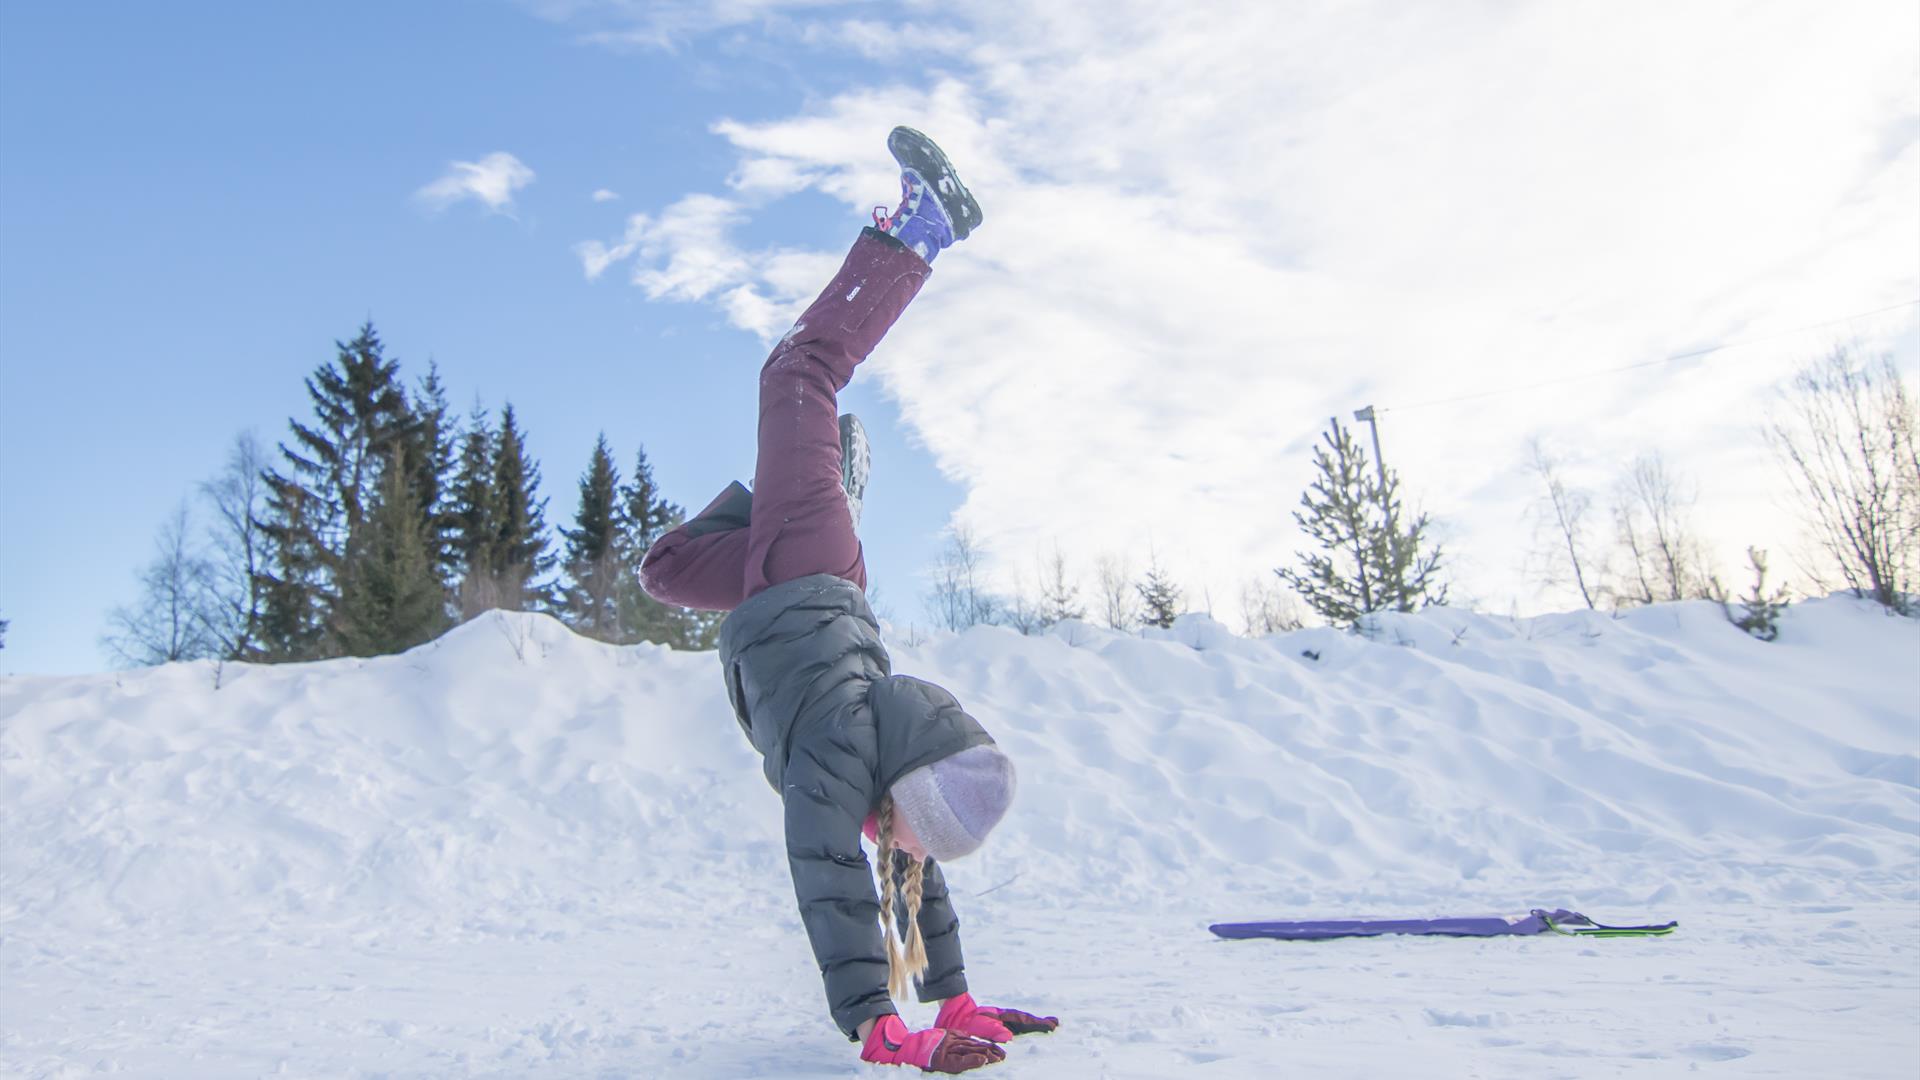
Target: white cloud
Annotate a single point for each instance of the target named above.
(605, 195)
(663, 24)
(492, 180)
(1209, 228)
(892, 40)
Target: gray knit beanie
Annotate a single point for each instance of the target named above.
(953, 803)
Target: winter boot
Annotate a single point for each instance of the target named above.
(936, 209)
(855, 457)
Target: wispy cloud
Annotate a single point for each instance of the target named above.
(894, 40)
(664, 24)
(492, 181)
(605, 195)
(1210, 228)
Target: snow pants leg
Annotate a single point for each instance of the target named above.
(795, 522)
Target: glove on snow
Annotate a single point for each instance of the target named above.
(934, 1050)
(986, 1022)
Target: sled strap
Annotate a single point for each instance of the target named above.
(1574, 924)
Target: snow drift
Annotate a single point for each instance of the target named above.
(515, 852)
(514, 770)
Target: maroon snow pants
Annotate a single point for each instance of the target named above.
(799, 523)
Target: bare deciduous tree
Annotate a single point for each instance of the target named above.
(1267, 607)
(1055, 598)
(1021, 611)
(1844, 431)
(960, 595)
(236, 549)
(1560, 525)
(166, 623)
(1117, 598)
(1650, 514)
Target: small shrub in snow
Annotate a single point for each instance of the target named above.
(1760, 610)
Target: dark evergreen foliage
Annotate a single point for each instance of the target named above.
(1160, 596)
(1760, 610)
(391, 597)
(596, 559)
(336, 465)
(1370, 558)
(519, 553)
(644, 515)
(429, 467)
(471, 516)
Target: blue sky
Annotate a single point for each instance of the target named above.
(1209, 227)
(196, 202)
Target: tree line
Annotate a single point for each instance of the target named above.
(1843, 433)
(383, 520)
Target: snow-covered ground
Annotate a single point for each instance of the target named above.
(518, 853)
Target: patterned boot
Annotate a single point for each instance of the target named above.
(935, 209)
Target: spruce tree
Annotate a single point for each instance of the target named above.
(519, 551)
(1160, 596)
(430, 460)
(472, 517)
(645, 513)
(1370, 559)
(294, 589)
(594, 559)
(361, 416)
(1760, 609)
(391, 597)
(1059, 597)
(644, 516)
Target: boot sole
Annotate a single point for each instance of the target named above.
(915, 151)
(855, 462)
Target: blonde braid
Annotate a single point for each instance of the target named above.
(916, 945)
(883, 834)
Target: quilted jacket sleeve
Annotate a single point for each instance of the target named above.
(827, 793)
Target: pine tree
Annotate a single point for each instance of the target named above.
(595, 563)
(294, 592)
(472, 517)
(391, 598)
(1759, 609)
(1059, 597)
(362, 418)
(3, 632)
(430, 456)
(1160, 596)
(644, 516)
(519, 551)
(1369, 559)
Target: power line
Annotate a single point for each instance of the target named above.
(1644, 363)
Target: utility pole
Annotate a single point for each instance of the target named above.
(1378, 461)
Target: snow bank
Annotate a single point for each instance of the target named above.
(513, 777)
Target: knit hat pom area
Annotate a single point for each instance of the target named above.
(952, 804)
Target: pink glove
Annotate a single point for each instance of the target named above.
(986, 1022)
(935, 1049)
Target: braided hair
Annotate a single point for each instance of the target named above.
(899, 875)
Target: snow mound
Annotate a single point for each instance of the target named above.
(512, 776)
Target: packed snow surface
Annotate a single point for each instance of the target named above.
(517, 852)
